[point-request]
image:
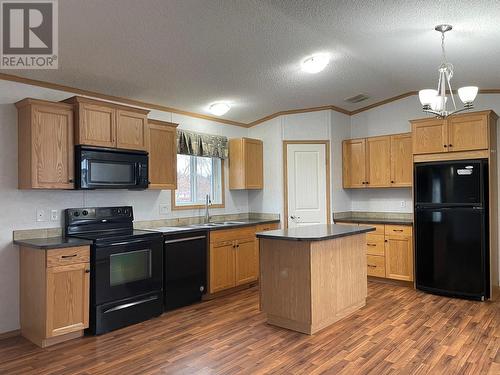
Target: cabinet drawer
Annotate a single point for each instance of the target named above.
(68, 255)
(232, 234)
(266, 227)
(379, 228)
(375, 244)
(398, 230)
(376, 265)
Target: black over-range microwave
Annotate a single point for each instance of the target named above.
(109, 168)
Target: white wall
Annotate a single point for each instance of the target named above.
(18, 206)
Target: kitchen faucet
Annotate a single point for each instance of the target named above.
(207, 214)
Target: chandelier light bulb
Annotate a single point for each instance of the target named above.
(467, 94)
(427, 96)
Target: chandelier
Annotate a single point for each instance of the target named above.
(435, 101)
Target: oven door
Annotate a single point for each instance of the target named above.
(126, 269)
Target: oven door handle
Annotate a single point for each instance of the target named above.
(185, 239)
(130, 304)
(124, 243)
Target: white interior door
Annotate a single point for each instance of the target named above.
(306, 184)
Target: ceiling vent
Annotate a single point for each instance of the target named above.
(357, 98)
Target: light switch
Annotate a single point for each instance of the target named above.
(41, 214)
(163, 209)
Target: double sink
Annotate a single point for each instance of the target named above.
(217, 224)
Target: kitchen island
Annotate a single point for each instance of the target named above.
(312, 276)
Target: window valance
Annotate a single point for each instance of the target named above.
(200, 144)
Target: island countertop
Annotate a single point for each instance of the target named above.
(315, 232)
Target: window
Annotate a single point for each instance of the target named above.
(196, 177)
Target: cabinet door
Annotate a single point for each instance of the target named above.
(131, 130)
(354, 163)
(468, 132)
(96, 125)
(67, 299)
(401, 160)
(399, 258)
(246, 261)
(52, 148)
(378, 159)
(429, 136)
(162, 157)
(222, 275)
(254, 169)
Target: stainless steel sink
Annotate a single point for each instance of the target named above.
(217, 224)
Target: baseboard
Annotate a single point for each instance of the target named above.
(383, 280)
(8, 334)
(209, 296)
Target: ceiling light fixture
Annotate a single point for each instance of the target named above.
(219, 108)
(315, 63)
(434, 101)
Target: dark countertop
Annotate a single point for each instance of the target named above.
(52, 242)
(314, 232)
(375, 221)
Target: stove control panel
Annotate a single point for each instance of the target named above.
(100, 213)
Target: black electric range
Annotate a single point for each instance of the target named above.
(126, 266)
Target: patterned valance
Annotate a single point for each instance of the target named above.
(199, 144)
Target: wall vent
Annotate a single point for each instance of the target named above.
(357, 98)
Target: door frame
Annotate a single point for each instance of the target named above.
(285, 176)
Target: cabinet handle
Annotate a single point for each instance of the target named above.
(71, 180)
(385, 240)
(392, 182)
(68, 256)
(371, 244)
(372, 266)
(445, 146)
(367, 182)
(397, 230)
(87, 271)
(450, 145)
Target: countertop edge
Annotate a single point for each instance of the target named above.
(52, 243)
(264, 235)
(375, 221)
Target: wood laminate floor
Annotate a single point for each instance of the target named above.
(400, 331)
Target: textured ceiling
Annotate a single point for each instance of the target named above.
(188, 53)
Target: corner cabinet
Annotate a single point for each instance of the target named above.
(54, 293)
(162, 155)
(246, 165)
(463, 132)
(105, 124)
(377, 162)
(45, 145)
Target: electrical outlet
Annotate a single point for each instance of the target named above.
(402, 204)
(54, 215)
(163, 209)
(41, 214)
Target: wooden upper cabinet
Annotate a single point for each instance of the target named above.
(95, 125)
(461, 132)
(429, 136)
(104, 124)
(468, 132)
(131, 130)
(378, 158)
(162, 155)
(246, 164)
(45, 149)
(401, 160)
(354, 163)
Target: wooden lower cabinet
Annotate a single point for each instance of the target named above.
(389, 251)
(54, 294)
(234, 256)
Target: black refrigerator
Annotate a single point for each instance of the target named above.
(451, 228)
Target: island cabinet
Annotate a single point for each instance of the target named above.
(54, 293)
(105, 124)
(246, 166)
(45, 145)
(463, 132)
(162, 155)
(377, 162)
(234, 256)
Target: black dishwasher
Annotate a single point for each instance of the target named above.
(185, 271)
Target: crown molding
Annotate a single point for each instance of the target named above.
(138, 103)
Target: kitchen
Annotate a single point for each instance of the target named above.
(154, 208)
